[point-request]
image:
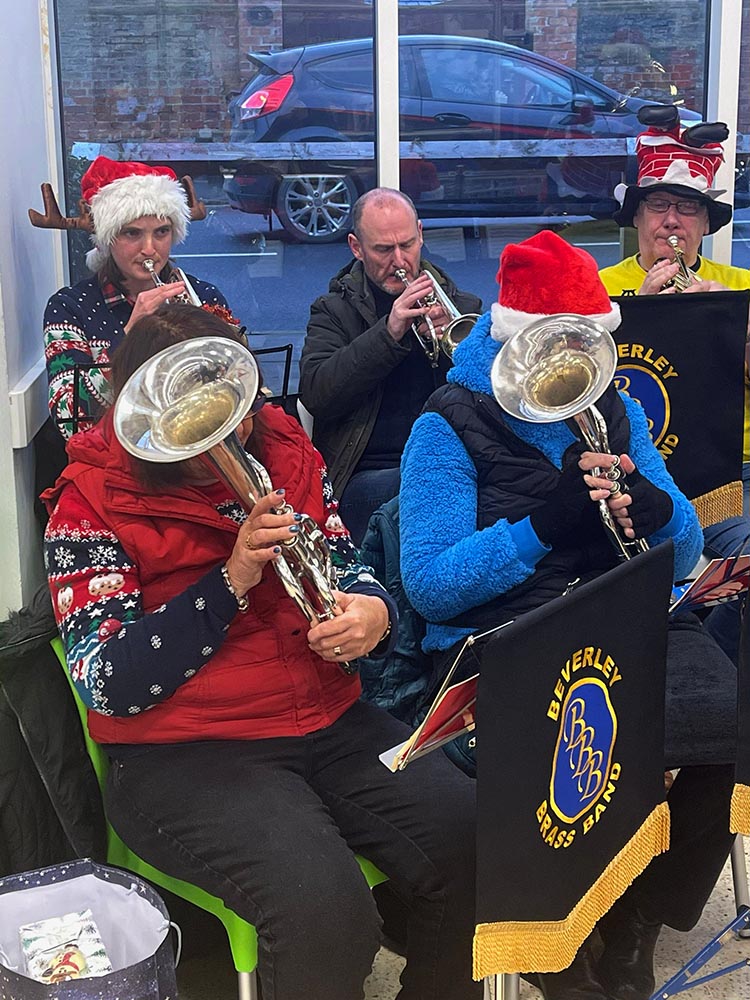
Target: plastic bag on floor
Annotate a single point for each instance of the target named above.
(129, 916)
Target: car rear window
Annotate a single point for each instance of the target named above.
(347, 72)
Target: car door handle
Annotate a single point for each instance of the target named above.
(452, 120)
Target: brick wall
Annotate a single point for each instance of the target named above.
(618, 43)
(553, 25)
(157, 69)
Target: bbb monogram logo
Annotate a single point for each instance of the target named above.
(642, 375)
(584, 773)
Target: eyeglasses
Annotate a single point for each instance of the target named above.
(662, 205)
(264, 394)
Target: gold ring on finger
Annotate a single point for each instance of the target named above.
(248, 543)
(337, 651)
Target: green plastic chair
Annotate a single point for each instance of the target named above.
(243, 940)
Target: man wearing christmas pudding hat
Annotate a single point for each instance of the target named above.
(521, 527)
(675, 197)
(134, 212)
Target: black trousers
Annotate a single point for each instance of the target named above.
(675, 887)
(269, 826)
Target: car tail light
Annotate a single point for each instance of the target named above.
(266, 99)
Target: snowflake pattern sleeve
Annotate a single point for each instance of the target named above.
(122, 661)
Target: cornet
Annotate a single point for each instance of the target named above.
(458, 327)
(556, 368)
(189, 297)
(186, 402)
(684, 276)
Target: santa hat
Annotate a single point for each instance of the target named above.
(121, 192)
(682, 162)
(546, 276)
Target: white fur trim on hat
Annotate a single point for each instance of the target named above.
(129, 198)
(507, 321)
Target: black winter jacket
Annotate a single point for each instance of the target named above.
(347, 354)
(50, 804)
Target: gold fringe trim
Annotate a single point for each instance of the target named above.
(719, 504)
(739, 815)
(551, 945)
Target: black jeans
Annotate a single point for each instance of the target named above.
(269, 826)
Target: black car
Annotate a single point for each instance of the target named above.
(310, 110)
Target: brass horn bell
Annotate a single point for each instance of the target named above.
(556, 368)
(186, 402)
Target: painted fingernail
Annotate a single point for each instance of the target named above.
(297, 517)
(294, 528)
(280, 492)
(277, 549)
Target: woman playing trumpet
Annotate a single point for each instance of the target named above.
(243, 759)
(135, 213)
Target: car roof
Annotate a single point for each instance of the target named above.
(285, 59)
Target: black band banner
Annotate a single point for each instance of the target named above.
(682, 358)
(570, 765)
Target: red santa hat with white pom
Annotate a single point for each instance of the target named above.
(545, 276)
(114, 193)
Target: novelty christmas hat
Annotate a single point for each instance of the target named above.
(682, 162)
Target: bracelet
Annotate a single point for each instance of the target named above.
(385, 634)
(242, 602)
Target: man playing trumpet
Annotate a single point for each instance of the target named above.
(363, 374)
(674, 200)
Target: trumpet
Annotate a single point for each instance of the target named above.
(458, 327)
(556, 368)
(189, 297)
(684, 276)
(186, 402)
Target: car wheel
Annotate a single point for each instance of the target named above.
(316, 208)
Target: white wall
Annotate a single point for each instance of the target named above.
(31, 268)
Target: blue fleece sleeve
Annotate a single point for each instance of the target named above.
(447, 565)
(683, 528)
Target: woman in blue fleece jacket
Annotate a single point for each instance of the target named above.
(497, 519)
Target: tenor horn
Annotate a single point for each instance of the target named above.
(556, 368)
(186, 402)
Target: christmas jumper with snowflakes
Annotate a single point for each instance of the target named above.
(83, 324)
(153, 638)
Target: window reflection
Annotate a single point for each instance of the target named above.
(514, 114)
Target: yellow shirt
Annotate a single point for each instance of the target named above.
(627, 277)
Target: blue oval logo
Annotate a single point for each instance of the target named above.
(645, 388)
(583, 755)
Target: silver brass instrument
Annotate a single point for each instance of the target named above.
(189, 297)
(458, 327)
(684, 276)
(556, 368)
(186, 402)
